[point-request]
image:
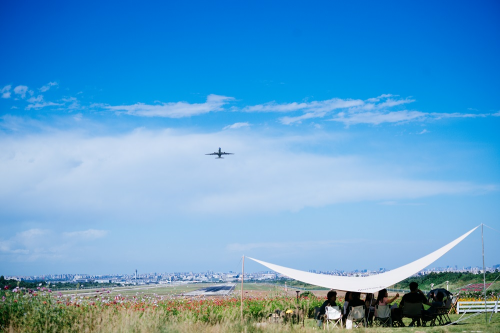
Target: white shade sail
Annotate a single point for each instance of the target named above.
(368, 284)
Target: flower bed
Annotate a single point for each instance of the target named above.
(42, 310)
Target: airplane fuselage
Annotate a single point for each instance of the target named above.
(219, 153)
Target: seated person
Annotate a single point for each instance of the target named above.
(331, 300)
(414, 296)
(437, 302)
(355, 301)
(383, 299)
(346, 302)
(370, 306)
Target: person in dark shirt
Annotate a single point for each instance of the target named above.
(437, 302)
(346, 303)
(330, 301)
(414, 296)
(355, 301)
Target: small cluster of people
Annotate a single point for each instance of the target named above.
(353, 299)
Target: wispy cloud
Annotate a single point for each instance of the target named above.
(36, 99)
(378, 117)
(46, 170)
(438, 115)
(34, 244)
(48, 86)
(86, 234)
(423, 131)
(5, 91)
(41, 105)
(236, 126)
(316, 106)
(314, 109)
(21, 91)
(172, 110)
(371, 107)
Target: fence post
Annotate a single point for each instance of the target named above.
(458, 307)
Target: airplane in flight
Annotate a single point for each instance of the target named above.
(220, 153)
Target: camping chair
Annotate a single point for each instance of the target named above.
(442, 315)
(383, 317)
(413, 311)
(429, 317)
(357, 315)
(333, 315)
(453, 305)
(276, 317)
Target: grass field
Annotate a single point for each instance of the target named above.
(157, 309)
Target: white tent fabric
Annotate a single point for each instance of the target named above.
(368, 284)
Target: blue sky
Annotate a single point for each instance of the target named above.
(355, 126)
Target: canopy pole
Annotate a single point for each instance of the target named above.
(242, 277)
(484, 277)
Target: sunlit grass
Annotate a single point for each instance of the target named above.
(44, 311)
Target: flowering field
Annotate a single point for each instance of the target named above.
(475, 287)
(43, 310)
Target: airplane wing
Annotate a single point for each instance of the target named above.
(213, 154)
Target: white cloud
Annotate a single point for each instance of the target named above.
(5, 91)
(378, 98)
(35, 244)
(173, 110)
(74, 103)
(48, 86)
(316, 106)
(21, 90)
(391, 102)
(438, 115)
(496, 114)
(236, 126)
(320, 109)
(153, 174)
(41, 105)
(378, 117)
(36, 99)
(423, 131)
(86, 235)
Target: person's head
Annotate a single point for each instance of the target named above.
(331, 296)
(348, 296)
(413, 286)
(440, 296)
(381, 295)
(369, 297)
(355, 295)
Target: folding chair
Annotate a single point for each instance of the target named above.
(453, 305)
(333, 315)
(429, 317)
(442, 315)
(383, 317)
(357, 315)
(413, 311)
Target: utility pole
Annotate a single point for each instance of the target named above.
(242, 277)
(484, 277)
